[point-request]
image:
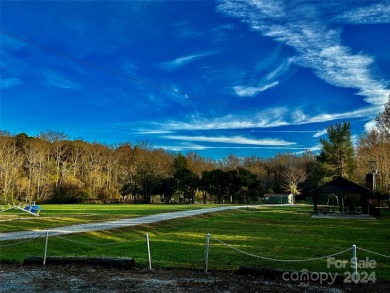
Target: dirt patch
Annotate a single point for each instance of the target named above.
(83, 278)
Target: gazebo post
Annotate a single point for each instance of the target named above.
(340, 197)
(315, 201)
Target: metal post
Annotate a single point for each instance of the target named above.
(355, 276)
(148, 246)
(46, 242)
(206, 261)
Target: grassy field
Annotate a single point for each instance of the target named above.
(64, 215)
(283, 233)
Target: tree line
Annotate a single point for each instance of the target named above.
(53, 168)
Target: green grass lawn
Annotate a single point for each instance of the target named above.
(284, 233)
(65, 215)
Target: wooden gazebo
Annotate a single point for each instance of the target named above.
(350, 197)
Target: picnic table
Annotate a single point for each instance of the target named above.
(325, 210)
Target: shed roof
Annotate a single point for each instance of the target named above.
(276, 194)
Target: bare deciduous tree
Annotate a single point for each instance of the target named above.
(373, 150)
(293, 176)
(10, 168)
(383, 120)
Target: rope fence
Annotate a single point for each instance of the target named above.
(280, 260)
(354, 277)
(47, 234)
(353, 248)
(376, 253)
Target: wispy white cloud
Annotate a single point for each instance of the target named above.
(6, 83)
(56, 79)
(181, 61)
(268, 119)
(196, 147)
(8, 43)
(183, 147)
(314, 149)
(359, 113)
(263, 76)
(370, 125)
(149, 132)
(185, 29)
(298, 116)
(338, 67)
(320, 133)
(243, 91)
(368, 14)
(11, 73)
(231, 140)
(281, 69)
(317, 46)
(129, 67)
(286, 131)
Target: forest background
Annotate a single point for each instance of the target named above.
(51, 168)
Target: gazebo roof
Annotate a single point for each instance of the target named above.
(342, 185)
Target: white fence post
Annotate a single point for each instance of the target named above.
(355, 277)
(46, 242)
(206, 261)
(148, 246)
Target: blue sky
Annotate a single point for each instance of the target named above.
(249, 78)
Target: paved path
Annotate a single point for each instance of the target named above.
(80, 228)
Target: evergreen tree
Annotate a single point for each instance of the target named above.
(337, 157)
(186, 180)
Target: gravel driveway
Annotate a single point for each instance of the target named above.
(80, 228)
